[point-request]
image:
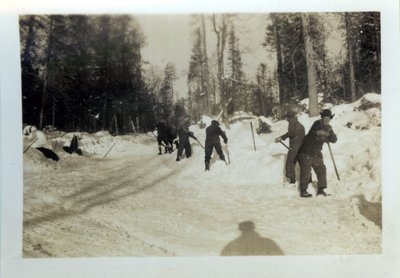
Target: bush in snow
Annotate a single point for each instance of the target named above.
(369, 101)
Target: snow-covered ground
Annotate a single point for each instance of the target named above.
(136, 203)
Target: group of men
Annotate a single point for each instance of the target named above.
(307, 150)
(166, 137)
(304, 149)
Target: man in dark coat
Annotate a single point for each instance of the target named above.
(162, 137)
(295, 134)
(213, 132)
(171, 135)
(184, 143)
(310, 155)
(74, 146)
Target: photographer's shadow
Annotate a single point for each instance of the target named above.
(250, 243)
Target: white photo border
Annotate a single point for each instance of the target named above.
(12, 263)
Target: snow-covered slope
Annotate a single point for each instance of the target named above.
(136, 203)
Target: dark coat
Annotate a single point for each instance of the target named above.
(213, 132)
(296, 133)
(312, 143)
(171, 133)
(184, 133)
(184, 144)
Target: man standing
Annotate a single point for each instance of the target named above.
(74, 145)
(162, 137)
(184, 143)
(295, 134)
(212, 141)
(310, 155)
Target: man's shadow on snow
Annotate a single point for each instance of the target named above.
(250, 243)
(371, 211)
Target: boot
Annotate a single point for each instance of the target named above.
(321, 192)
(159, 151)
(292, 180)
(305, 194)
(207, 165)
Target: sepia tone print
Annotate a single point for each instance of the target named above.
(201, 134)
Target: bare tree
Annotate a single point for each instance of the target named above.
(311, 71)
(350, 56)
(221, 31)
(206, 71)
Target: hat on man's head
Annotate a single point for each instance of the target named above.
(327, 113)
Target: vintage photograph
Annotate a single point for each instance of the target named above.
(215, 134)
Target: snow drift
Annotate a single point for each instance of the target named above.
(135, 203)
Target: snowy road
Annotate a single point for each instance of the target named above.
(141, 204)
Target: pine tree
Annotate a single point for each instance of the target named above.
(197, 93)
(236, 89)
(286, 36)
(167, 93)
(88, 68)
(30, 65)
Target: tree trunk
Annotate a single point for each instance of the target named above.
(350, 57)
(221, 41)
(311, 72)
(206, 73)
(29, 41)
(262, 100)
(53, 122)
(116, 124)
(282, 92)
(46, 74)
(294, 76)
(104, 114)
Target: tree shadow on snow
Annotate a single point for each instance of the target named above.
(250, 243)
(96, 186)
(81, 205)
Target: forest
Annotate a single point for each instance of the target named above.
(86, 73)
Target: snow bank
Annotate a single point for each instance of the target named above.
(357, 153)
(92, 145)
(358, 150)
(241, 115)
(138, 203)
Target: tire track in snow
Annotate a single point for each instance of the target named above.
(115, 183)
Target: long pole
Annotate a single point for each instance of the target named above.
(200, 144)
(284, 144)
(227, 154)
(30, 145)
(333, 160)
(109, 150)
(252, 133)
